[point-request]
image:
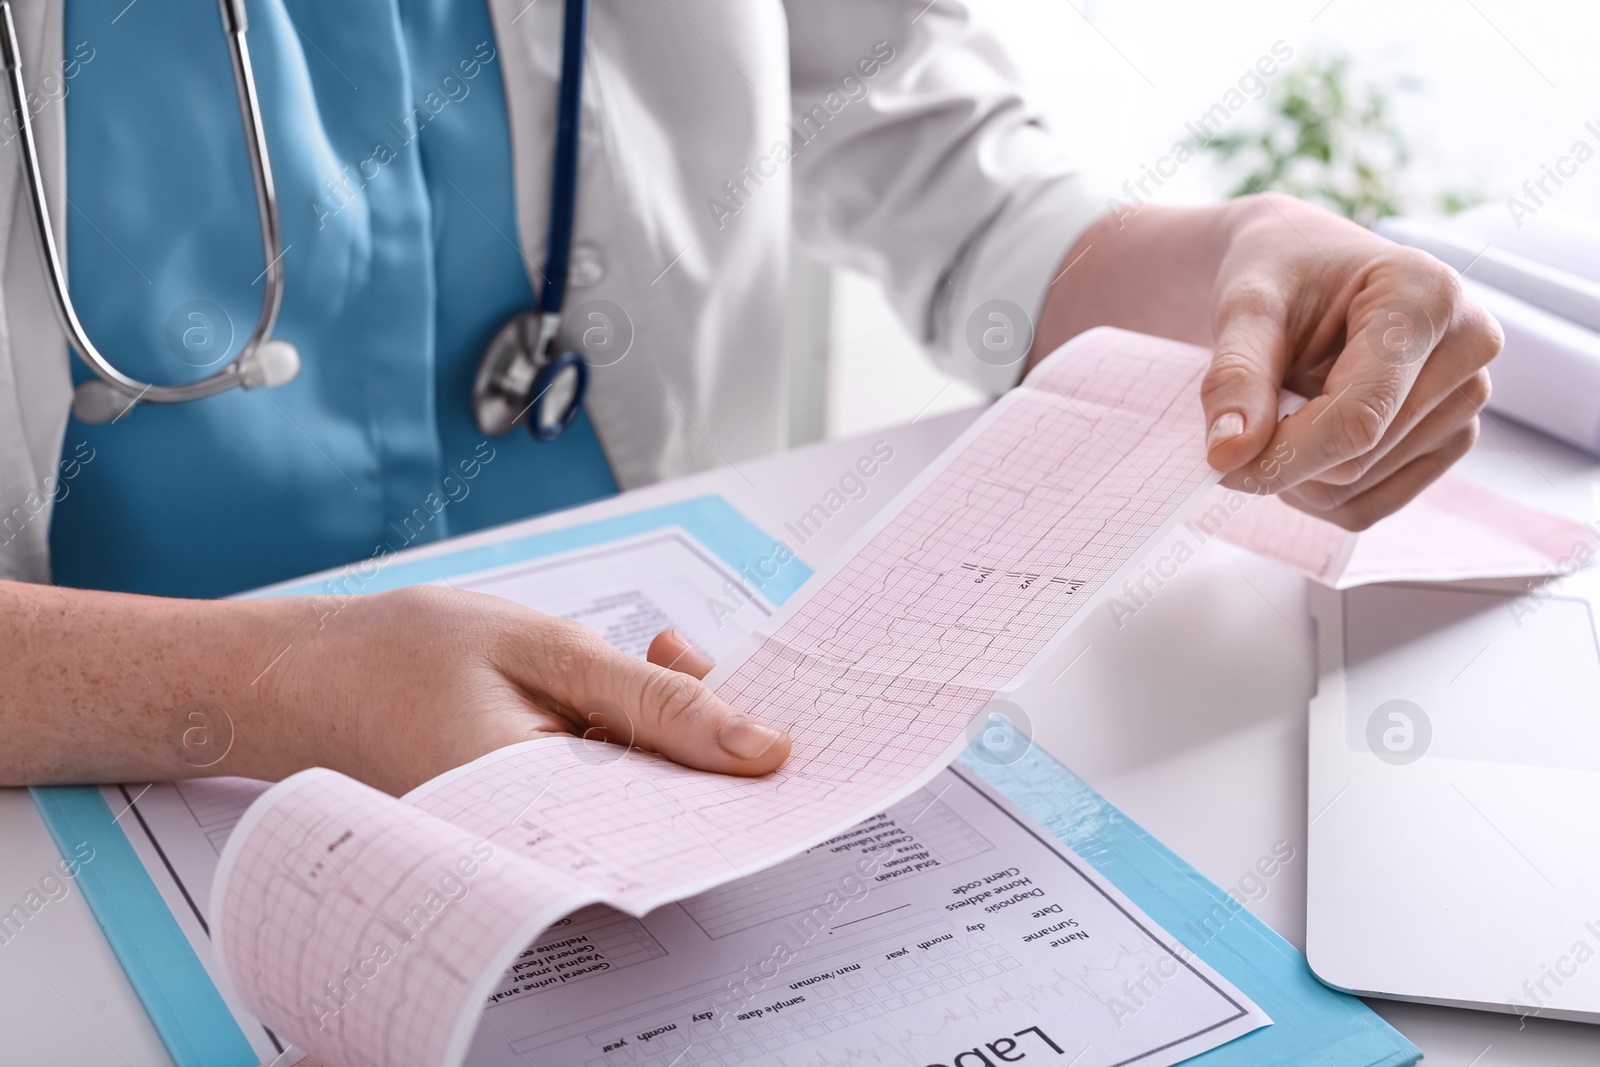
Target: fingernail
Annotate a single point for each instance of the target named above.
(1229, 424)
(747, 739)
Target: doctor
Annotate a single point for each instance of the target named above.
(411, 146)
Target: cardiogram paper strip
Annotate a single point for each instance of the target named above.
(1453, 531)
(369, 930)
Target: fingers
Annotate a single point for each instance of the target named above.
(645, 704)
(1240, 390)
(1393, 493)
(1452, 383)
(1458, 412)
(671, 650)
(1360, 399)
(1412, 341)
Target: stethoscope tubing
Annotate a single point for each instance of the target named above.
(564, 168)
(239, 373)
(264, 361)
(519, 370)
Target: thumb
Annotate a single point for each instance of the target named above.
(1240, 390)
(667, 710)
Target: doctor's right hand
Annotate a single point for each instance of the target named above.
(390, 688)
(411, 683)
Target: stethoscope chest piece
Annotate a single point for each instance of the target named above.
(558, 389)
(520, 381)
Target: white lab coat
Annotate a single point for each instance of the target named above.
(891, 136)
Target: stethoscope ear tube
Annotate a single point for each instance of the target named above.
(262, 362)
(269, 364)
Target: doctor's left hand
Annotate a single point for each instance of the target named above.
(1380, 339)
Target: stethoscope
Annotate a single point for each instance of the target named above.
(519, 379)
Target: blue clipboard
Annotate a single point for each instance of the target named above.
(1312, 1024)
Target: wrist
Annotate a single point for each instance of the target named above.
(1236, 216)
(266, 720)
(1152, 270)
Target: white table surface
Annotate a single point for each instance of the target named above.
(1191, 719)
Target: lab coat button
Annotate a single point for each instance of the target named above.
(585, 268)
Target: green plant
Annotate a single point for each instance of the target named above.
(1454, 200)
(1323, 140)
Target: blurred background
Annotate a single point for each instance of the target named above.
(1422, 108)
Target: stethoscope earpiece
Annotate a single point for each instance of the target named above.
(272, 363)
(268, 364)
(95, 402)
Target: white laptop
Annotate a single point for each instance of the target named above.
(1454, 796)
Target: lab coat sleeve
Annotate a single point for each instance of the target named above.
(35, 380)
(919, 160)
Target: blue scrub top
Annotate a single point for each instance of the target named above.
(386, 123)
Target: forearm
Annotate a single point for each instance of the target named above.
(106, 687)
(1152, 272)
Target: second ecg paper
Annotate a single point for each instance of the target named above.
(876, 668)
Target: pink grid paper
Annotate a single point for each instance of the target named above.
(876, 668)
